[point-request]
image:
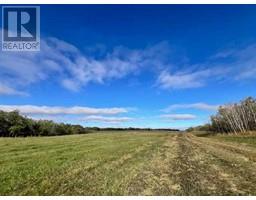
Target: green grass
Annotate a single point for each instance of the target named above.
(243, 139)
(71, 164)
(126, 163)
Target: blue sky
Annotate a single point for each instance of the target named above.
(133, 65)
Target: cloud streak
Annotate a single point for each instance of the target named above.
(167, 80)
(73, 69)
(114, 120)
(229, 65)
(198, 106)
(6, 90)
(56, 110)
(176, 117)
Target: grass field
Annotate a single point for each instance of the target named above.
(131, 163)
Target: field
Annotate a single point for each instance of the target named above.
(128, 163)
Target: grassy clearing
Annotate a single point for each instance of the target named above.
(131, 163)
(80, 164)
(242, 139)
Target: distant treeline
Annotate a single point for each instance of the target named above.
(232, 118)
(136, 129)
(12, 124)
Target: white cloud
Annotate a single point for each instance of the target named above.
(70, 84)
(73, 69)
(182, 80)
(6, 90)
(95, 118)
(229, 65)
(55, 118)
(55, 110)
(242, 62)
(199, 106)
(176, 117)
(190, 79)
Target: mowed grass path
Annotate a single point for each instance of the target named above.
(126, 163)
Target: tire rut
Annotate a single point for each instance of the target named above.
(235, 168)
(156, 178)
(200, 174)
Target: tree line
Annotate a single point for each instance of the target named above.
(137, 129)
(234, 118)
(12, 124)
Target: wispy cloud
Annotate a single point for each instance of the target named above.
(179, 80)
(239, 61)
(193, 77)
(176, 117)
(228, 65)
(6, 90)
(73, 69)
(114, 120)
(56, 110)
(198, 106)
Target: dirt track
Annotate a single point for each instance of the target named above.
(190, 165)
